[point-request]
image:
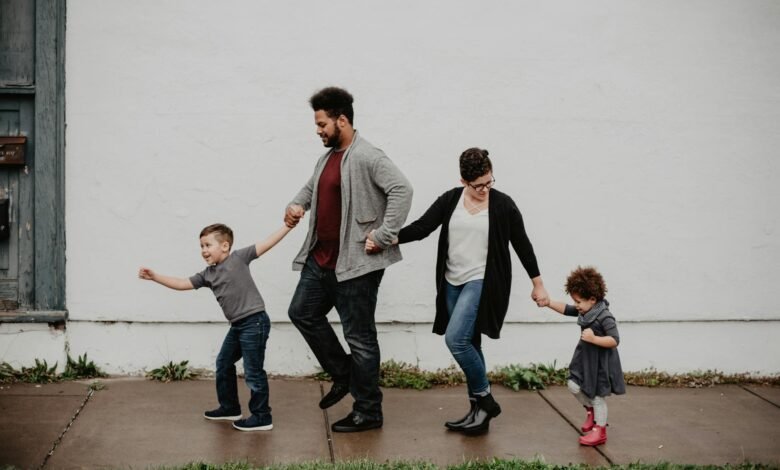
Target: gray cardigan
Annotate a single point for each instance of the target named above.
(374, 195)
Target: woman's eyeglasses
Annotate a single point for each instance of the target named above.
(482, 187)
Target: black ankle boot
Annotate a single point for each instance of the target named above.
(457, 425)
(486, 409)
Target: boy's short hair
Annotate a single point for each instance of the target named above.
(335, 102)
(474, 162)
(586, 283)
(221, 232)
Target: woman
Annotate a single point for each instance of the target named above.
(474, 274)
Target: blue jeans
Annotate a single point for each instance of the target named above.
(462, 306)
(317, 293)
(246, 338)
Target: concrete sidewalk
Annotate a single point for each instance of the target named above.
(135, 423)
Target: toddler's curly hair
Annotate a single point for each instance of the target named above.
(586, 283)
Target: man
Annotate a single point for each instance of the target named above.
(355, 192)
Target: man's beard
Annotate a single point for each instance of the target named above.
(333, 140)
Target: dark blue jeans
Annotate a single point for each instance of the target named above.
(317, 293)
(246, 338)
(462, 305)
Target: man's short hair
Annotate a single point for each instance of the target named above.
(474, 162)
(335, 102)
(221, 232)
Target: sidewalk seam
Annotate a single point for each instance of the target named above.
(70, 423)
(576, 428)
(759, 396)
(328, 434)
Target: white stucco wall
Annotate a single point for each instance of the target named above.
(640, 137)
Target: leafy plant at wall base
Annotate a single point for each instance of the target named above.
(41, 373)
(7, 373)
(533, 377)
(172, 372)
(81, 369)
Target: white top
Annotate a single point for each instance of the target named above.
(467, 254)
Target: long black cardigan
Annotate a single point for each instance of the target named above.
(505, 226)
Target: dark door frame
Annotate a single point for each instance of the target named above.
(49, 166)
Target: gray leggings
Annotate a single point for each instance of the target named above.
(599, 404)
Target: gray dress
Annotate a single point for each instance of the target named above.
(595, 369)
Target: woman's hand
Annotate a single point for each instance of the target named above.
(371, 246)
(539, 295)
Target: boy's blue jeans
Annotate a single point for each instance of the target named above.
(462, 306)
(317, 293)
(246, 338)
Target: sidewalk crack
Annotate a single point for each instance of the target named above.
(759, 396)
(70, 423)
(328, 434)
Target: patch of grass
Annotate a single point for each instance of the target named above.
(533, 377)
(172, 372)
(7, 373)
(97, 385)
(402, 375)
(40, 373)
(81, 369)
(489, 464)
(695, 379)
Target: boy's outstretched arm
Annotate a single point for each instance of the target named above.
(273, 239)
(176, 283)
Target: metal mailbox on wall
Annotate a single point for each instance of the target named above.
(12, 150)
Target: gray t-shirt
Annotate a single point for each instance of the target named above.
(233, 285)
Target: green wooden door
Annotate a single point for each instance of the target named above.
(32, 104)
(16, 195)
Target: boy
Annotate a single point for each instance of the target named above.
(228, 276)
(594, 371)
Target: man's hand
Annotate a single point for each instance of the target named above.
(371, 246)
(293, 215)
(146, 273)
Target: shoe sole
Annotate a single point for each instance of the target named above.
(223, 418)
(351, 429)
(267, 427)
(324, 405)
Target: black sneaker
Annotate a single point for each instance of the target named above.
(221, 414)
(254, 423)
(337, 392)
(355, 423)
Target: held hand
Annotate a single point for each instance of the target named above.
(540, 296)
(146, 273)
(371, 246)
(293, 215)
(587, 335)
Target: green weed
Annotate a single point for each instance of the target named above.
(40, 373)
(172, 372)
(81, 369)
(533, 377)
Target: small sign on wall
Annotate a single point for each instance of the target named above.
(12, 150)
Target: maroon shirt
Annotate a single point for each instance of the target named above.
(326, 251)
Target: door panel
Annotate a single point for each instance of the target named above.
(16, 252)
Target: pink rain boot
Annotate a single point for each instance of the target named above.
(595, 437)
(588, 424)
